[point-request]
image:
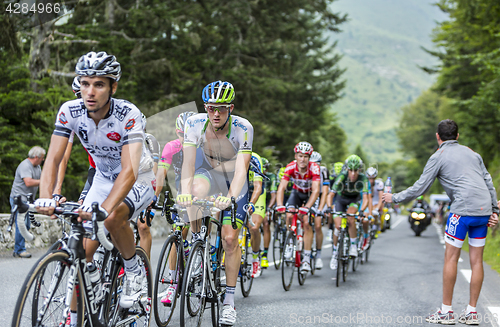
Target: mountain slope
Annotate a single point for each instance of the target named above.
(381, 45)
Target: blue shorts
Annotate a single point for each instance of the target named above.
(457, 228)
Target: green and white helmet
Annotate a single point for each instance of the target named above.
(353, 162)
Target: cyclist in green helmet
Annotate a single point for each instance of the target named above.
(351, 185)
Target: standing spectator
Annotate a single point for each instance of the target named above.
(474, 208)
(26, 181)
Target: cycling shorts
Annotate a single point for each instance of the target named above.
(342, 202)
(260, 205)
(137, 199)
(457, 228)
(298, 199)
(219, 183)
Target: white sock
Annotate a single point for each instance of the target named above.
(470, 309)
(132, 265)
(307, 256)
(229, 298)
(445, 308)
(353, 241)
(171, 273)
(73, 316)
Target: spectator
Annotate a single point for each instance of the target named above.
(26, 181)
(474, 208)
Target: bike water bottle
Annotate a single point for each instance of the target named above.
(95, 279)
(388, 186)
(187, 248)
(213, 254)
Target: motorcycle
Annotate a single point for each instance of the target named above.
(385, 219)
(419, 220)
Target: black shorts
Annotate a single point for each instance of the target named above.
(298, 199)
(343, 203)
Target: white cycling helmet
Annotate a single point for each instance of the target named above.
(371, 172)
(316, 157)
(304, 147)
(76, 87)
(180, 122)
(99, 64)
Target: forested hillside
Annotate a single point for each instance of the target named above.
(381, 44)
(276, 55)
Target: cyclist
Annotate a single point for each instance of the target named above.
(349, 185)
(306, 184)
(321, 205)
(270, 187)
(256, 208)
(111, 131)
(377, 187)
(224, 142)
(172, 157)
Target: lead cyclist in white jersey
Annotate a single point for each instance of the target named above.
(111, 131)
(377, 186)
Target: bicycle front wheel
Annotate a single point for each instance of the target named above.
(194, 284)
(169, 273)
(246, 279)
(288, 261)
(42, 298)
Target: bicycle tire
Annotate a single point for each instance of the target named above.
(300, 276)
(246, 279)
(193, 285)
(340, 253)
(345, 261)
(288, 265)
(277, 248)
(53, 265)
(163, 313)
(141, 310)
(220, 292)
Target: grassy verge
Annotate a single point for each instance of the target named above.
(491, 250)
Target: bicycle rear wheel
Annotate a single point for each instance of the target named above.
(345, 261)
(301, 277)
(340, 253)
(288, 261)
(194, 284)
(42, 297)
(169, 272)
(246, 279)
(277, 248)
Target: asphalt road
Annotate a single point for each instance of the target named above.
(399, 286)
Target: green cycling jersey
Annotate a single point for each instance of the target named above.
(346, 188)
(270, 185)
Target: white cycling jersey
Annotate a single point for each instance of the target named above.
(122, 125)
(377, 187)
(239, 139)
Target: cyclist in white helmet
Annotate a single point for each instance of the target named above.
(306, 185)
(111, 131)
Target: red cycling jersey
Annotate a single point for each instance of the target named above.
(302, 183)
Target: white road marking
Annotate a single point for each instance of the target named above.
(439, 232)
(495, 315)
(398, 222)
(467, 274)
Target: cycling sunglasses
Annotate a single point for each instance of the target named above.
(220, 108)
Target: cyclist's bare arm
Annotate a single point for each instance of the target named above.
(62, 169)
(280, 194)
(188, 166)
(367, 202)
(324, 195)
(240, 174)
(160, 179)
(314, 194)
(257, 190)
(55, 154)
(273, 200)
(130, 160)
(380, 203)
(329, 200)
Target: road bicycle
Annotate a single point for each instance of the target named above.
(48, 290)
(343, 244)
(293, 251)
(204, 278)
(279, 236)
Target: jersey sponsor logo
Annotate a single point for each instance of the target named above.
(130, 124)
(236, 123)
(315, 169)
(93, 148)
(110, 125)
(76, 111)
(62, 118)
(452, 225)
(113, 136)
(120, 113)
(83, 134)
(191, 123)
